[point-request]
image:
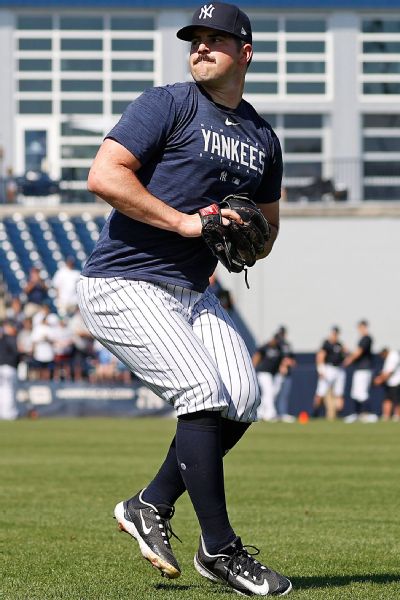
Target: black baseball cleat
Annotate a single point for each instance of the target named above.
(150, 527)
(236, 567)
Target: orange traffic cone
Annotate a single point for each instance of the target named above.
(303, 417)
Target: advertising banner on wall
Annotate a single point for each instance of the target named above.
(78, 399)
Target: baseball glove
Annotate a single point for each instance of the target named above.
(236, 246)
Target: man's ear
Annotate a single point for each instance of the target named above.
(247, 54)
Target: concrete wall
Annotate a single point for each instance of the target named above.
(325, 271)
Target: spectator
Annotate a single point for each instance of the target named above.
(10, 187)
(362, 360)
(82, 346)
(8, 371)
(25, 349)
(267, 360)
(284, 377)
(36, 292)
(14, 312)
(105, 365)
(43, 350)
(389, 377)
(41, 315)
(63, 345)
(331, 376)
(64, 282)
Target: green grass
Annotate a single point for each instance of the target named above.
(321, 500)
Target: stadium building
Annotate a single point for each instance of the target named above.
(326, 74)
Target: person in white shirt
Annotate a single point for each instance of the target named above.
(64, 282)
(389, 377)
(43, 348)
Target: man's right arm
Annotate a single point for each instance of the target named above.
(112, 177)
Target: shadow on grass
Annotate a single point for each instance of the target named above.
(301, 583)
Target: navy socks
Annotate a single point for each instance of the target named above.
(202, 437)
(199, 455)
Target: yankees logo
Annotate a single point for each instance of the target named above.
(206, 11)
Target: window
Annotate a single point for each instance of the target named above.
(381, 68)
(132, 45)
(382, 168)
(135, 85)
(70, 129)
(305, 87)
(132, 23)
(72, 64)
(381, 121)
(305, 26)
(69, 151)
(381, 47)
(312, 121)
(79, 44)
(35, 44)
(35, 107)
(132, 65)
(382, 192)
(81, 85)
(382, 144)
(34, 22)
(263, 67)
(265, 46)
(303, 169)
(383, 88)
(261, 87)
(264, 25)
(303, 145)
(305, 47)
(86, 107)
(381, 26)
(34, 64)
(305, 67)
(35, 85)
(81, 23)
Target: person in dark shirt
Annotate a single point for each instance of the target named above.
(331, 376)
(8, 371)
(284, 379)
(266, 360)
(36, 292)
(362, 361)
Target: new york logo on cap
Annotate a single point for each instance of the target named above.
(206, 11)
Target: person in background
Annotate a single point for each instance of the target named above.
(362, 361)
(9, 358)
(389, 377)
(65, 281)
(266, 360)
(25, 349)
(331, 376)
(284, 377)
(36, 292)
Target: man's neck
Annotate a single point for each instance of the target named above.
(230, 98)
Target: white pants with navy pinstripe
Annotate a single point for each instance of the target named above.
(180, 343)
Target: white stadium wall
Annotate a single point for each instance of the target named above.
(322, 272)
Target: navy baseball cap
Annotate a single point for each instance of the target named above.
(220, 16)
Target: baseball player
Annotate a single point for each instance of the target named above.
(362, 361)
(331, 374)
(177, 150)
(389, 377)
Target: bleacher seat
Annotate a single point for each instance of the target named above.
(45, 242)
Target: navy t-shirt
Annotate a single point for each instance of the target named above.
(334, 353)
(364, 361)
(193, 152)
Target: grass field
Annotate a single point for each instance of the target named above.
(320, 500)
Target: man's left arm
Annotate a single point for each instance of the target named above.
(271, 213)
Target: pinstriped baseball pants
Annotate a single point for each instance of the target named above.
(182, 344)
